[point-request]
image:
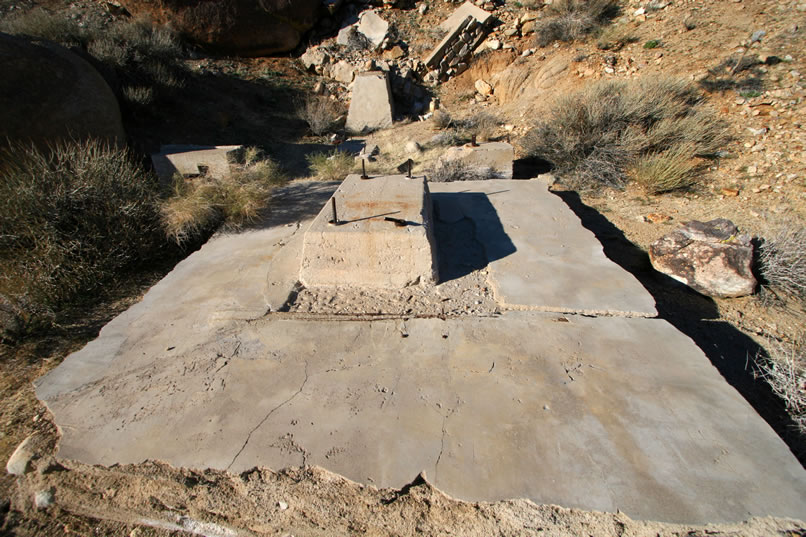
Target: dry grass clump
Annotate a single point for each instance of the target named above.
(198, 206)
(71, 219)
(597, 135)
(441, 120)
(321, 114)
(667, 171)
(40, 23)
(782, 262)
(446, 171)
(483, 125)
(568, 20)
(615, 37)
(331, 166)
(784, 369)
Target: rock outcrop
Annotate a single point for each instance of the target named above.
(243, 27)
(48, 94)
(710, 257)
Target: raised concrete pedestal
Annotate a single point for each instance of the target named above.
(365, 249)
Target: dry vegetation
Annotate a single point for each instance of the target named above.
(321, 114)
(71, 220)
(199, 205)
(569, 20)
(331, 166)
(784, 369)
(657, 129)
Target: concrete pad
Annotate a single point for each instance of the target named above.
(461, 13)
(192, 160)
(497, 156)
(371, 103)
(604, 414)
(540, 257)
(366, 250)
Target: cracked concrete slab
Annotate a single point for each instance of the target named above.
(556, 265)
(597, 413)
(600, 413)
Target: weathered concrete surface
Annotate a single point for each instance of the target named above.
(365, 249)
(556, 265)
(497, 156)
(187, 160)
(600, 413)
(606, 414)
(371, 103)
(461, 13)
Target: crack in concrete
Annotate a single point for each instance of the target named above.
(267, 416)
(442, 441)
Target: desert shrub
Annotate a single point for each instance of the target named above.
(199, 205)
(41, 23)
(446, 171)
(784, 369)
(782, 261)
(568, 20)
(71, 219)
(441, 120)
(320, 113)
(331, 166)
(674, 169)
(652, 43)
(615, 37)
(446, 139)
(593, 137)
(481, 124)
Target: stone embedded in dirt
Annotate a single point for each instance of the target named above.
(20, 461)
(710, 257)
(373, 27)
(483, 87)
(371, 103)
(43, 499)
(243, 27)
(50, 94)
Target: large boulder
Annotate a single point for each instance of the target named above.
(710, 257)
(48, 93)
(243, 27)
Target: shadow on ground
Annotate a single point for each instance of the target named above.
(462, 247)
(697, 316)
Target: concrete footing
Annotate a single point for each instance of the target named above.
(498, 156)
(193, 160)
(383, 237)
(371, 103)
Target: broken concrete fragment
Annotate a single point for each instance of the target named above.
(371, 103)
(710, 257)
(366, 250)
(314, 57)
(194, 160)
(373, 27)
(465, 10)
(497, 156)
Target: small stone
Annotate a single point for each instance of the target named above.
(20, 461)
(282, 505)
(493, 44)
(43, 499)
(657, 218)
(423, 8)
(413, 147)
(730, 192)
(528, 28)
(483, 87)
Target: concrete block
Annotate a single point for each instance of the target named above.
(462, 12)
(496, 155)
(365, 249)
(192, 160)
(371, 104)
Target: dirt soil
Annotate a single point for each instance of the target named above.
(760, 185)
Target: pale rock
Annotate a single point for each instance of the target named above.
(373, 27)
(20, 461)
(483, 87)
(342, 72)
